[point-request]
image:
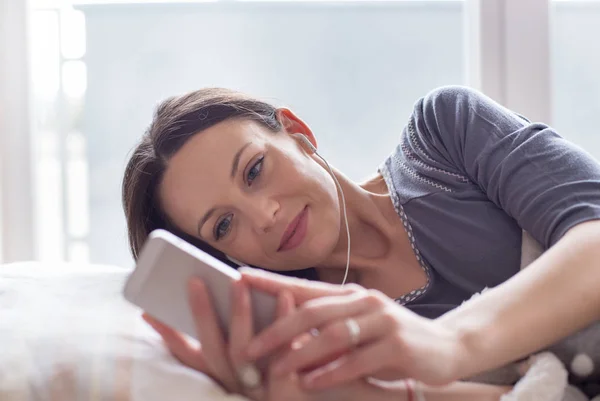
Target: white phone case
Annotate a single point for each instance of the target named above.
(159, 284)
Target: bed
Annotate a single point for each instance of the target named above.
(67, 334)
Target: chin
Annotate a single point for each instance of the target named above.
(304, 258)
(320, 248)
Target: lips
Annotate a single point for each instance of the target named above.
(295, 231)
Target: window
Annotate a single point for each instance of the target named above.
(575, 32)
(351, 69)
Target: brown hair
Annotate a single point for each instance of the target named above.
(175, 121)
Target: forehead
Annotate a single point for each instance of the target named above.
(219, 140)
(198, 175)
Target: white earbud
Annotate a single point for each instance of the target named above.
(308, 144)
(305, 141)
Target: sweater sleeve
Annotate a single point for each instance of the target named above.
(546, 183)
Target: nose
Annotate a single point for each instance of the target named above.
(262, 212)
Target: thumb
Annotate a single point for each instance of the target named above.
(302, 290)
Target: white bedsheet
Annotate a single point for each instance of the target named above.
(67, 334)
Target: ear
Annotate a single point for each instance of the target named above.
(292, 124)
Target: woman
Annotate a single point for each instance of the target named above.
(442, 220)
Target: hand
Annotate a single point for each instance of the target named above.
(216, 358)
(392, 340)
(221, 360)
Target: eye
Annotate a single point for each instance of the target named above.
(222, 227)
(254, 171)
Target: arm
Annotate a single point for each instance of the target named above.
(549, 186)
(394, 342)
(554, 297)
(458, 391)
(464, 391)
(552, 189)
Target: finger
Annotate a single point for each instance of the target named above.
(285, 307)
(302, 290)
(286, 304)
(302, 339)
(241, 328)
(281, 385)
(362, 362)
(240, 333)
(210, 335)
(334, 340)
(178, 345)
(313, 314)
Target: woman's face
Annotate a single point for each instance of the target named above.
(255, 195)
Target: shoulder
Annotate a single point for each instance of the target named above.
(452, 101)
(461, 110)
(441, 115)
(442, 108)
(453, 94)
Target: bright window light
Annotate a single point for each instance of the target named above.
(72, 33)
(74, 74)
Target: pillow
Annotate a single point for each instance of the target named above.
(66, 333)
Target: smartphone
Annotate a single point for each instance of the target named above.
(159, 283)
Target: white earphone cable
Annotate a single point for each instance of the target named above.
(306, 141)
(345, 216)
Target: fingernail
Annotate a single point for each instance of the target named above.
(249, 375)
(150, 320)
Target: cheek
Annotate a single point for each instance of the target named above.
(325, 233)
(312, 180)
(246, 246)
(317, 184)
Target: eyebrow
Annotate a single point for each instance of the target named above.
(236, 159)
(234, 167)
(203, 220)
